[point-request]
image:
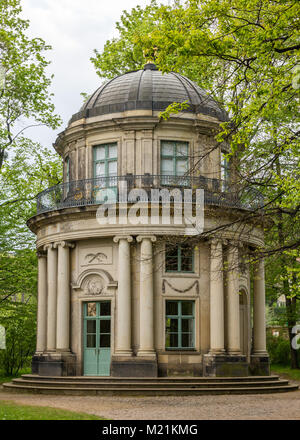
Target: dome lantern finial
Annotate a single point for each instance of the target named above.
(150, 66)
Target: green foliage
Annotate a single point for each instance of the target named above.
(14, 411)
(279, 350)
(26, 172)
(25, 169)
(246, 53)
(174, 108)
(289, 373)
(24, 85)
(19, 320)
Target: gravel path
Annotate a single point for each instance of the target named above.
(261, 406)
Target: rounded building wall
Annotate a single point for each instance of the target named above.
(82, 262)
(138, 139)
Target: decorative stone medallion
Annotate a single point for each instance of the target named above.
(94, 286)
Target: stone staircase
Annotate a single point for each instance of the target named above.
(143, 386)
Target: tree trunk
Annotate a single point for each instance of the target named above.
(290, 301)
(292, 321)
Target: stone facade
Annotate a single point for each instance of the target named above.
(81, 261)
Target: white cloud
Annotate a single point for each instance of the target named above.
(73, 28)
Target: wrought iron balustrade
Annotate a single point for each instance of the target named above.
(93, 191)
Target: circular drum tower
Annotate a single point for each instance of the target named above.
(124, 287)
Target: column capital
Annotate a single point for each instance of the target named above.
(217, 240)
(152, 238)
(236, 244)
(48, 246)
(64, 244)
(128, 238)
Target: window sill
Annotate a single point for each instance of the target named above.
(189, 351)
(181, 274)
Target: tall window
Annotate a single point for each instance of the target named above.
(106, 162)
(67, 165)
(180, 323)
(67, 175)
(179, 258)
(174, 161)
(224, 171)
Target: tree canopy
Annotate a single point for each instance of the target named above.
(24, 83)
(245, 54)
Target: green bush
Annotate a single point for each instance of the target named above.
(279, 350)
(19, 320)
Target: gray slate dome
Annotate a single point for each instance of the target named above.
(148, 89)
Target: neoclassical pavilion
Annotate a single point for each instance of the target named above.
(144, 299)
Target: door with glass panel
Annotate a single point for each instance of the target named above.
(97, 336)
(105, 171)
(174, 163)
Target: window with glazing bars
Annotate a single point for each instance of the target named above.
(180, 325)
(174, 162)
(179, 258)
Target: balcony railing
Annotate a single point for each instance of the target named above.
(90, 191)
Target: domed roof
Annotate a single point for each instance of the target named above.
(148, 89)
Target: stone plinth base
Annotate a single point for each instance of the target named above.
(54, 364)
(133, 367)
(184, 369)
(225, 365)
(259, 365)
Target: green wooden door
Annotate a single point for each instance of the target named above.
(97, 317)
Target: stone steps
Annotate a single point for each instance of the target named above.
(144, 384)
(169, 379)
(81, 385)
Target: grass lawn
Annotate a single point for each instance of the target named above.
(286, 372)
(13, 411)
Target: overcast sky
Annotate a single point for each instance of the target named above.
(73, 28)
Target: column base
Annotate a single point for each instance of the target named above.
(54, 364)
(260, 364)
(225, 365)
(147, 354)
(126, 353)
(122, 366)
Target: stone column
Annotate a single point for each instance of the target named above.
(41, 342)
(51, 306)
(123, 342)
(146, 297)
(233, 302)
(216, 298)
(259, 319)
(63, 297)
